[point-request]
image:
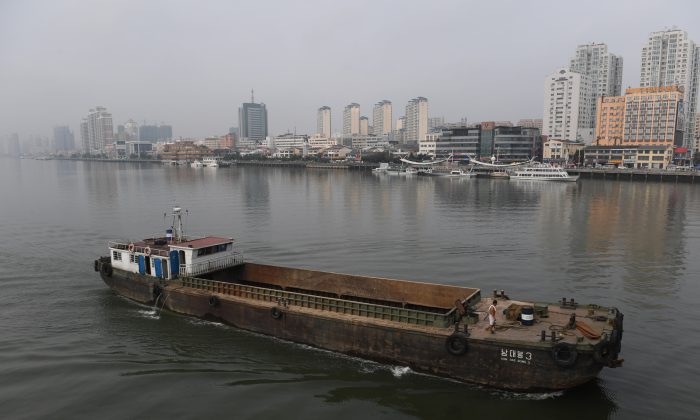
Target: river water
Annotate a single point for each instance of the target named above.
(70, 348)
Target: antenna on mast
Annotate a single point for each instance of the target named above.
(252, 96)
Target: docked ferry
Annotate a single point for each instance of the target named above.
(432, 328)
(543, 172)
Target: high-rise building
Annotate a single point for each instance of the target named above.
(669, 58)
(567, 97)
(381, 118)
(63, 139)
(416, 120)
(97, 131)
(252, 121)
(351, 119)
(131, 129)
(148, 133)
(603, 69)
(323, 122)
(435, 123)
(165, 132)
(696, 147)
(364, 126)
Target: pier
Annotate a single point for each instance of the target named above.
(656, 175)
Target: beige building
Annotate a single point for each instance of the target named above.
(632, 156)
(323, 121)
(364, 126)
(416, 122)
(560, 150)
(610, 120)
(319, 141)
(428, 145)
(351, 119)
(644, 116)
(381, 118)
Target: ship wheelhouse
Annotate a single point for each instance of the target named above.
(167, 258)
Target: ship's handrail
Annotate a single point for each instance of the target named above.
(342, 306)
(194, 269)
(138, 249)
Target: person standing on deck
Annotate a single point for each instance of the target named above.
(492, 316)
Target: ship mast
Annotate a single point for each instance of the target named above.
(179, 232)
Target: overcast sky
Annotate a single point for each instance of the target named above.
(192, 63)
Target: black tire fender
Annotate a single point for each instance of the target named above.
(213, 301)
(106, 269)
(564, 354)
(97, 265)
(603, 352)
(457, 344)
(275, 312)
(157, 291)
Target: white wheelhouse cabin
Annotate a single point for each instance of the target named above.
(168, 258)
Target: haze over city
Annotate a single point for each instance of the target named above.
(192, 64)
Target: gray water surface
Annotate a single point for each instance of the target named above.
(70, 348)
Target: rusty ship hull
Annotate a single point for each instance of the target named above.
(288, 303)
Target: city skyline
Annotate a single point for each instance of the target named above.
(201, 99)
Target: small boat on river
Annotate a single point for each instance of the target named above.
(432, 328)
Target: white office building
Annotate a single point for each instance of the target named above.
(416, 123)
(567, 108)
(351, 120)
(323, 122)
(381, 118)
(97, 131)
(670, 58)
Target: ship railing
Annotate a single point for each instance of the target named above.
(124, 246)
(341, 306)
(197, 268)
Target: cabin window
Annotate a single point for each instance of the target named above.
(132, 259)
(116, 256)
(212, 249)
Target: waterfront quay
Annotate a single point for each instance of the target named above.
(658, 175)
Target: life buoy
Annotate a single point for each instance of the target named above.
(147, 251)
(276, 313)
(456, 344)
(213, 301)
(564, 354)
(106, 269)
(131, 247)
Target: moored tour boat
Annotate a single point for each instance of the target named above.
(432, 328)
(543, 172)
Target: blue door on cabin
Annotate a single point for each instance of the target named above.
(142, 264)
(174, 263)
(159, 268)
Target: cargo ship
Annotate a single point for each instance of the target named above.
(432, 328)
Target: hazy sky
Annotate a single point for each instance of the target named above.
(191, 63)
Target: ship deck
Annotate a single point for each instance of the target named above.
(427, 307)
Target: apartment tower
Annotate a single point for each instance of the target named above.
(669, 58)
(323, 122)
(603, 69)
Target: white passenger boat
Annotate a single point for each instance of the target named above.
(197, 164)
(447, 172)
(210, 163)
(383, 167)
(543, 172)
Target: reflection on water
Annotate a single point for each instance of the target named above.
(630, 244)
